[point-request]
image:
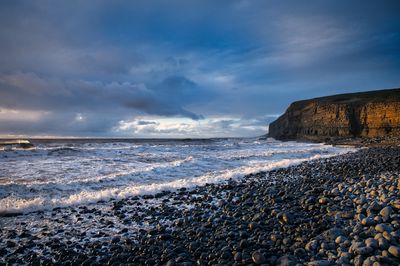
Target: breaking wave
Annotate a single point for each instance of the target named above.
(81, 173)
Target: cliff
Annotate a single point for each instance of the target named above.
(373, 114)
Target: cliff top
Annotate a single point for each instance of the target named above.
(389, 95)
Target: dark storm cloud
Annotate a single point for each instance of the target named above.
(145, 123)
(81, 67)
(98, 101)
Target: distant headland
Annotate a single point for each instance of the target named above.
(360, 118)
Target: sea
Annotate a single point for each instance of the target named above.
(66, 172)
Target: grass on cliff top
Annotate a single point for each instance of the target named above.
(391, 95)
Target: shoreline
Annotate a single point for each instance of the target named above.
(235, 164)
(377, 142)
(313, 212)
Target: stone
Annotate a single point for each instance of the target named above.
(194, 245)
(286, 260)
(333, 233)
(355, 246)
(243, 243)
(319, 263)
(387, 236)
(258, 258)
(340, 239)
(368, 262)
(385, 213)
(368, 221)
(371, 242)
(374, 207)
(252, 226)
(363, 251)
(395, 251)
(383, 228)
(323, 201)
(396, 204)
(237, 256)
(383, 243)
(272, 260)
(299, 252)
(358, 260)
(170, 263)
(347, 214)
(275, 237)
(342, 261)
(286, 218)
(312, 245)
(360, 216)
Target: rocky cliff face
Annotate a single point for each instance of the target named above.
(368, 115)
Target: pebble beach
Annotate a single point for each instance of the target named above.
(343, 210)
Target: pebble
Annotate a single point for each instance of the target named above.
(396, 204)
(385, 213)
(312, 245)
(340, 239)
(319, 263)
(383, 228)
(258, 258)
(371, 242)
(368, 221)
(333, 233)
(395, 251)
(286, 260)
(342, 210)
(323, 200)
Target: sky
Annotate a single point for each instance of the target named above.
(183, 68)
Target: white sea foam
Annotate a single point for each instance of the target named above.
(80, 173)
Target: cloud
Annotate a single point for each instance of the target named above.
(168, 97)
(29, 91)
(74, 106)
(184, 127)
(145, 123)
(227, 67)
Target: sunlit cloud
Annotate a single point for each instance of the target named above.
(152, 126)
(9, 115)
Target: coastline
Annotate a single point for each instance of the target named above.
(341, 210)
(377, 142)
(365, 142)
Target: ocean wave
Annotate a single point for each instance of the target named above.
(63, 151)
(16, 204)
(79, 173)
